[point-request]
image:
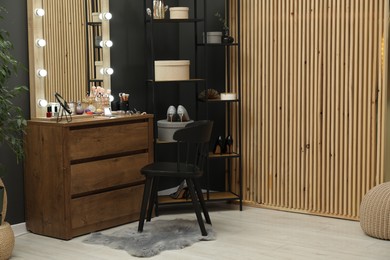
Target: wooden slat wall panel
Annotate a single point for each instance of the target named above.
(65, 53)
(314, 86)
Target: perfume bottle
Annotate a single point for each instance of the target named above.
(79, 108)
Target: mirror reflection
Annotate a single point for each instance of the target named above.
(69, 50)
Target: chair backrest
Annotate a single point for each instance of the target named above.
(194, 138)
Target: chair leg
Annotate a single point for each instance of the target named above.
(190, 185)
(148, 186)
(153, 198)
(202, 202)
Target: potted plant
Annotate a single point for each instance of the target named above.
(12, 126)
(226, 39)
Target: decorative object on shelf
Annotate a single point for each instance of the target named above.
(183, 114)
(170, 113)
(177, 115)
(171, 70)
(178, 12)
(159, 9)
(229, 144)
(211, 94)
(223, 146)
(219, 147)
(228, 96)
(213, 38)
(226, 39)
(167, 129)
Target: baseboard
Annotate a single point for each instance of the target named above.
(19, 229)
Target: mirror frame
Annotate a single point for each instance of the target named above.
(65, 29)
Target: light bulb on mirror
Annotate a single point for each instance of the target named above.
(39, 12)
(42, 102)
(41, 73)
(40, 43)
(105, 16)
(111, 98)
(106, 71)
(107, 44)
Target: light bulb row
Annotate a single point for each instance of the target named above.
(40, 43)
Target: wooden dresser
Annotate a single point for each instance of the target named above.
(84, 176)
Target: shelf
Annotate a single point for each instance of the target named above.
(173, 81)
(223, 156)
(174, 20)
(217, 100)
(217, 44)
(214, 196)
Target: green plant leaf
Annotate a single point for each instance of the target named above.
(12, 122)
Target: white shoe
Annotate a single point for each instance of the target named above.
(182, 112)
(170, 113)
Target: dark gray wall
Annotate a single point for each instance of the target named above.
(127, 59)
(16, 23)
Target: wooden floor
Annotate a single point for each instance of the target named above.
(251, 234)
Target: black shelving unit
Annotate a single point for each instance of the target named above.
(200, 80)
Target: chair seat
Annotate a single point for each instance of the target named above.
(170, 169)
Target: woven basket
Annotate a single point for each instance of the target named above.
(375, 212)
(7, 241)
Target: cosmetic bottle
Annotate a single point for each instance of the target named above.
(55, 111)
(48, 113)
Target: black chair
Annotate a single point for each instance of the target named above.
(194, 138)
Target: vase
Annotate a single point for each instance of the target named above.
(7, 241)
(226, 39)
(7, 238)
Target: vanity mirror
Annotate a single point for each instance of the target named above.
(69, 49)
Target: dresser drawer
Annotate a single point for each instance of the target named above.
(104, 140)
(106, 206)
(104, 174)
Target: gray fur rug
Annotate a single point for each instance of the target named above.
(158, 235)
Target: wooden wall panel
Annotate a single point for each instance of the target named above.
(314, 87)
(65, 53)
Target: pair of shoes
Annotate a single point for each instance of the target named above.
(181, 191)
(223, 146)
(179, 115)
